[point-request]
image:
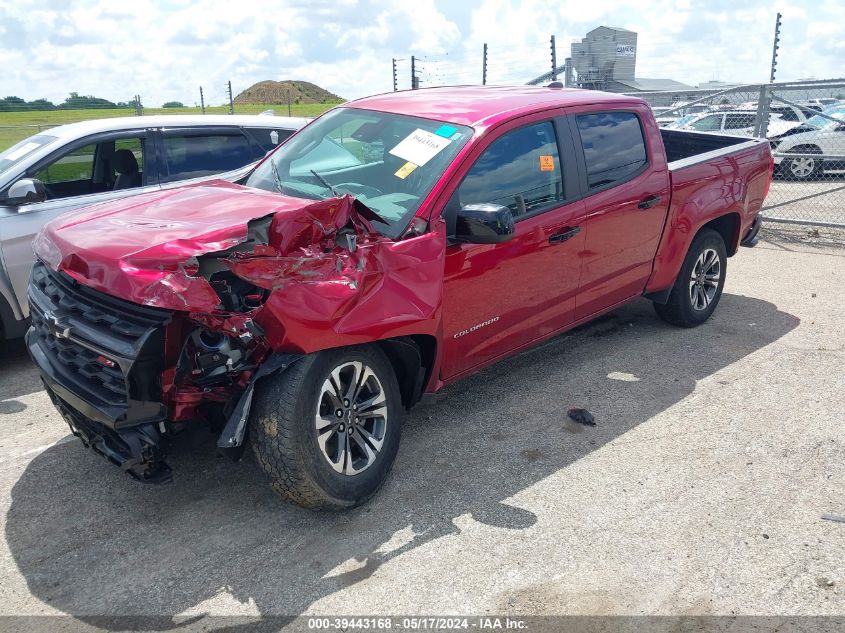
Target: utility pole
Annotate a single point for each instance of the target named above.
(775, 48)
(231, 100)
(288, 94)
(202, 101)
(395, 80)
(139, 110)
(484, 66)
(761, 124)
(415, 82)
(554, 60)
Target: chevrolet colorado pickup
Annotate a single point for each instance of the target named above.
(390, 247)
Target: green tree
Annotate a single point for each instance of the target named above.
(173, 104)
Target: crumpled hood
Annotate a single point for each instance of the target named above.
(144, 248)
(160, 228)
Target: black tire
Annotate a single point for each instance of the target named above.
(804, 167)
(680, 309)
(284, 436)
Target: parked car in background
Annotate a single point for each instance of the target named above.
(819, 145)
(305, 310)
(85, 163)
(733, 123)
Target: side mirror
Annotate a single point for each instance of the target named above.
(26, 191)
(484, 223)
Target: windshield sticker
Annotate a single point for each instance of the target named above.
(23, 150)
(419, 147)
(404, 170)
(446, 131)
(547, 163)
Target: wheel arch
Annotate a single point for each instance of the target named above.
(728, 226)
(10, 326)
(412, 358)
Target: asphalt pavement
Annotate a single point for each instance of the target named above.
(700, 490)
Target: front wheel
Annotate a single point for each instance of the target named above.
(326, 430)
(698, 288)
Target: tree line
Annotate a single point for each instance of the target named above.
(74, 101)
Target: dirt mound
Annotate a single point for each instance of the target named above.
(276, 92)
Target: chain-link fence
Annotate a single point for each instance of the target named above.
(805, 125)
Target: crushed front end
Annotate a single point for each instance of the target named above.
(174, 322)
(99, 359)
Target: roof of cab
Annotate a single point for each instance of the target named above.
(117, 124)
(483, 105)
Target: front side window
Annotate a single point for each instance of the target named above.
(521, 170)
(614, 147)
(708, 124)
(192, 156)
(106, 165)
(78, 165)
(389, 162)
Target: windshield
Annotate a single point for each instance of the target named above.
(820, 122)
(16, 153)
(389, 162)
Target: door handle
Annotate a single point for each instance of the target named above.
(564, 234)
(650, 201)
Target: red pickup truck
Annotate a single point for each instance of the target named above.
(392, 246)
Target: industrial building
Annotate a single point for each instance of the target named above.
(606, 60)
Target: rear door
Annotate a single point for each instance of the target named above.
(625, 182)
(190, 153)
(498, 297)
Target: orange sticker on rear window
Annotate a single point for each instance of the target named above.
(547, 163)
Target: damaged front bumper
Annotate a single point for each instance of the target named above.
(100, 359)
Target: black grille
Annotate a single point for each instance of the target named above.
(100, 353)
(127, 320)
(107, 382)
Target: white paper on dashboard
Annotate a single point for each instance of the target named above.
(419, 147)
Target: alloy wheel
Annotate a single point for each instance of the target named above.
(704, 280)
(351, 418)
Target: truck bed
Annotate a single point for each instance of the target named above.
(684, 148)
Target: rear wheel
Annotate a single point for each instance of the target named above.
(698, 288)
(326, 431)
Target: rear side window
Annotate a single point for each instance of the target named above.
(267, 138)
(202, 155)
(739, 121)
(787, 114)
(614, 148)
(521, 170)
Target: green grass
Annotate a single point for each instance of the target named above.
(16, 126)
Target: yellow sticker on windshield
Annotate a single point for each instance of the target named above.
(404, 170)
(547, 163)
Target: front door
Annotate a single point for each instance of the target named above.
(498, 297)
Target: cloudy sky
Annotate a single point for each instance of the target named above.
(166, 50)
